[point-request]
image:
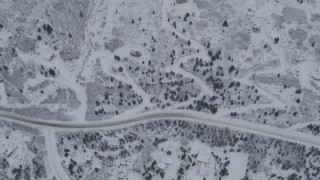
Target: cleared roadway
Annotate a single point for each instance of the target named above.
(196, 117)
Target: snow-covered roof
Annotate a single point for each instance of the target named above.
(9, 149)
(113, 142)
(97, 165)
(87, 159)
(180, 1)
(256, 27)
(47, 56)
(135, 53)
(167, 160)
(203, 170)
(122, 173)
(161, 165)
(18, 159)
(316, 75)
(202, 158)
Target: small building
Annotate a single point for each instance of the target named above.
(202, 158)
(113, 142)
(87, 160)
(161, 165)
(122, 174)
(18, 159)
(167, 160)
(256, 27)
(316, 75)
(181, 1)
(9, 149)
(203, 170)
(47, 56)
(164, 162)
(97, 165)
(135, 53)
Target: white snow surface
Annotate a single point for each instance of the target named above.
(252, 65)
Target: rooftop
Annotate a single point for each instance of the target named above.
(202, 158)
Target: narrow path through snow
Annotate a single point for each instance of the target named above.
(53, 156)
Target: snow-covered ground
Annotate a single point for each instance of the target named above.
(182, 150)
(254, 63)
(198, 55)
(23, 154)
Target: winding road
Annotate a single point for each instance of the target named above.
(238, 125)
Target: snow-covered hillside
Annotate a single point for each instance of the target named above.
(75, 60)
(81, 61)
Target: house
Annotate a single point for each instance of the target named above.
(122, 174)
(87, 160)
(47, 56)
(164, 162)
(97, 165)
(135, 53)
(203, 159)
(167, 160)
(256, 27)
(9, 149)
(161, 165)
(204, 171)
(181, 1)
(113, 142)
(204, 167)
(18, 159)
(316, 75)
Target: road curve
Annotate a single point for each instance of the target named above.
(255, 128)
